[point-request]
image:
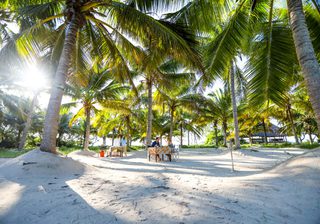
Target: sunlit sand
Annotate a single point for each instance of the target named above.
(198, 188)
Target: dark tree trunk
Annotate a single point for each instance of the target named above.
(181, 134)
(149, 120)
(250, 139)
(87, 129)
(264, 132)
(171, 124)
(293, 128)
(128, 130)
(113, 136)
(310, 136)
(216, 132)
(224, 127)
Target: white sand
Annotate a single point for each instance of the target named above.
(198, 188)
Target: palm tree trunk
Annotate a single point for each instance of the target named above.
(104, 140)
(28, 122)
(171, 124)
(50, 130)
(59, 139)
(87, 131)
(181, 134)
(216, 132)
(250, 139)
(264, 132)
(149, 120)
(188, 137)
(310, 137)
(234, 108)
(128, 131)
(306, 55)
(292, 123)
(224, 127)
(19, 136)
(113, 133)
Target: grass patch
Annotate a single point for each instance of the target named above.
(12, 153)
(66, 150)
(282, 145)
(308, 146)
(136, 148)
(198, 146)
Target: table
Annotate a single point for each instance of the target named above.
(159, 152)
(117, 149)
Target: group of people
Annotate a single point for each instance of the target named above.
(156, 143)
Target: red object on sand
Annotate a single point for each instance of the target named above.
(101, 153)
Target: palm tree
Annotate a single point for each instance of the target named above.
(92, 88)
(306, 54)
(98, 27)
(174, 99)
(166, 76)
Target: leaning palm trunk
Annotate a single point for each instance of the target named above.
(87, 131)
(149, 121)
(28, 122)
(234, 108)
(50, 130)
(306, 55)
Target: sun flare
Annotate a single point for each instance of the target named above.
(34, 79)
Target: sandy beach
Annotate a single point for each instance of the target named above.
(268, 186)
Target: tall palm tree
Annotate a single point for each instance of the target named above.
(92, 88)
(101, 27)
(306, 54)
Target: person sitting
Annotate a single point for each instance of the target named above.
(170, 144)
(156, 143)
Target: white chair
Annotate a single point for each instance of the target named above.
(175, 152)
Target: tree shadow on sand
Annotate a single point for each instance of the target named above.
(38, 190)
